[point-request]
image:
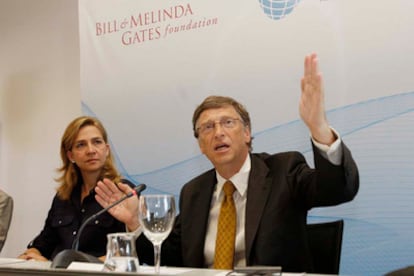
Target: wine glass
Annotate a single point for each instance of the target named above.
(156, 214)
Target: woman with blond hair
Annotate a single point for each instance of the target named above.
(86, 158)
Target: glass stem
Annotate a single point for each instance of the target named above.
(157, 257)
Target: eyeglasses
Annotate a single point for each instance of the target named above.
(209, 126)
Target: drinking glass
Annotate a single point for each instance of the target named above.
(156, 215)
(121, 255)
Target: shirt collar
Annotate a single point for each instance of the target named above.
(240, 179)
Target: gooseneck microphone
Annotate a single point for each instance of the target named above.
(64, 258)
(136, 191)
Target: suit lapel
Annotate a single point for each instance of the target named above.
(199, 213)
(257, 193)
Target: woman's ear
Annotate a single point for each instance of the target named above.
(108, 148)
(70, 156)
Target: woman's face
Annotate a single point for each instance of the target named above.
(89, 150)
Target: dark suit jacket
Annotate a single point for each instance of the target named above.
(281, 190)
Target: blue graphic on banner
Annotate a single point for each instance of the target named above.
(379, 222)
(277, 9)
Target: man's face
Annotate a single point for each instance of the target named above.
(223, 137)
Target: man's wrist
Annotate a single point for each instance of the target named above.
(332, 152)
(137, 232)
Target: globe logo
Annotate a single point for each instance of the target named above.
(277, 9)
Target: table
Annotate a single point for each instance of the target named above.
(17, 267)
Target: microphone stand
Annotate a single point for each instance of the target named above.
(136, 191)
(64, 258)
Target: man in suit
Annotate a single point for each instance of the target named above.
(6, 211)
(272, 196)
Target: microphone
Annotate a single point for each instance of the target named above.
(136, 191)
(64, 258)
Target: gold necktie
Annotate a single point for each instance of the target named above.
(226, 230)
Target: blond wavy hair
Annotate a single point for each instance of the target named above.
(70, 172)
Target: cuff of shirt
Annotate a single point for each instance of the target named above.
(332, 153)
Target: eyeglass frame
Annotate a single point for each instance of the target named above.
(222, 122)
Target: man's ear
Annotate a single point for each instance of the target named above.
(247, 135)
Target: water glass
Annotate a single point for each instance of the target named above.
(121, 255)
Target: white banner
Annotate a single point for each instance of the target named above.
(146, 65)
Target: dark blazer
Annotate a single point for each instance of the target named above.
(281, 190)
(64, 219)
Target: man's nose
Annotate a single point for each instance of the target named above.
(218, 129)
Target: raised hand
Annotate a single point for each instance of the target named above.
(312, 105)
(127, 211)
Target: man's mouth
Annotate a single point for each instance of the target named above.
(221, 147)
